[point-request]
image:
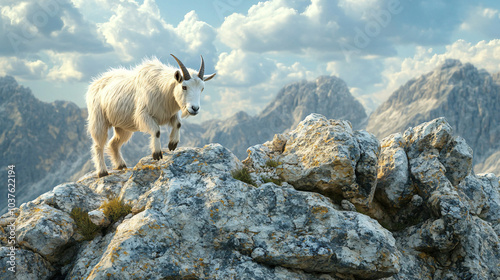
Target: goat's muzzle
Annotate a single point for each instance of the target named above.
(193, 110)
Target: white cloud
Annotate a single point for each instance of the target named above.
(485, 21)
(239, 68)
(268, 26)
(65, 67)
(138, 30)
(249, 81)
(358, 72)
(22, 68)
(334, 28)
(32, 26)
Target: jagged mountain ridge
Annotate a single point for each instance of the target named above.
(469, 99)
(46, 142)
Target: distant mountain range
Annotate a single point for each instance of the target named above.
(49, 144)
(46, 142)
(469, 99)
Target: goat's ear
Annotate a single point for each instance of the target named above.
(208, 77)
(178, 76)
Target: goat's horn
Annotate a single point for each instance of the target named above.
(201, 72)
(185, 72)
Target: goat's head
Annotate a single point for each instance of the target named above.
(188, 97)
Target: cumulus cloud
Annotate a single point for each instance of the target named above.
(340, 27)
(485, 21)
(239, 68)
(22, 68)
(138, 30)
(358, 72)
(32, 26)
(65, 67)
(249, 81)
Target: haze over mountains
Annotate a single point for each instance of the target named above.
(469, 99)
(49, 144)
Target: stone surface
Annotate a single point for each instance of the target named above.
(192, 220)
(394, 188)
(67, 196)
(324, 156)
(456, 157)
(482, 194)
(97, 217)
(44, 229)
(449, 228)
(29, 265)
(228, 226)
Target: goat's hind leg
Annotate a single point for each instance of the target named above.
(99, 135)
(120, 137)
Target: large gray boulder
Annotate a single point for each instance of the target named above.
(324, 156)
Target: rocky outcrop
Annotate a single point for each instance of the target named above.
(469, 99)
(426, 193)
(324, 156)
(194, 220)
(326, 202)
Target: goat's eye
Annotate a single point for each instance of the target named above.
(184, 87)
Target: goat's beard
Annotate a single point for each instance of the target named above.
(185, 113)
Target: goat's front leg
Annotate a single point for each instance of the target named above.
(148, 124)
(175, 135)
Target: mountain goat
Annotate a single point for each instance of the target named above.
(141, 99)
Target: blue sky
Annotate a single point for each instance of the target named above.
(56, 46)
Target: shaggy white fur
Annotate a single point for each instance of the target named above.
(141, 99)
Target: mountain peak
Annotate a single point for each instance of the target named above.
(449, 63)
(469, 99)
(10, 90)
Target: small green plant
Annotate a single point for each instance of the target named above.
(243, 175)
(115, 208)
(271, 180)
(83, 223)
(272, 163)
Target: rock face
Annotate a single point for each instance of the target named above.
(425, 193)
(324, 156)
(426, 217)
(469, 99)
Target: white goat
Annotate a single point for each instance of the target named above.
(141, 99)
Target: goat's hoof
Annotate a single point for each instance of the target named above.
(172, 146)
(121, 167)
(157, 155)
(102, 174)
